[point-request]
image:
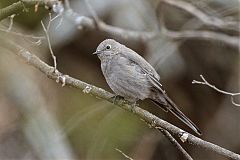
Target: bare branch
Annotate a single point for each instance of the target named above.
(126, 156)
(88, 23)
(208, 35)
(206, 19)
(99, 92)
(205, 82)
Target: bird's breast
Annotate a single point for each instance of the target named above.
(125, 79)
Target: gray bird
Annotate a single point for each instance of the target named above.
(129, 75)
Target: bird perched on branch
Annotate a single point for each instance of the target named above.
(129, 75)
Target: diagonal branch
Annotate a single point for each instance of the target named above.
(176, 144)
(101, 93)
(126, 156)
(172, 140)
(206, 19)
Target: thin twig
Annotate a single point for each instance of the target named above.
(176, 144)
(99, 92)
(171, 139)
(126, 156)
(92, 11)
(49, 22)
(46, 30)
(205, 82)
(11, 22)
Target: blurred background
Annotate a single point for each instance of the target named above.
(39, 119)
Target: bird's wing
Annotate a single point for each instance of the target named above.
(154, 80)
(136, 58)
(145, 67)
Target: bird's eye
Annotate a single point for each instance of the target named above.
(108, 46)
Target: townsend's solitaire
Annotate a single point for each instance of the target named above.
(132, 77)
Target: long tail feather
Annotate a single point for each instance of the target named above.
(172, 107)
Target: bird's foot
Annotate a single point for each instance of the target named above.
(117, 98)
(61, 78)
(133, 106)
(184, 136)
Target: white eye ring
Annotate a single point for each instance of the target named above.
(108, 46)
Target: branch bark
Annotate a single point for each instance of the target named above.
(19, 6)
(89, 23)
(101, 93)
(176, 144)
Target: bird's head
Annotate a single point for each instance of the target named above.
(107, 49)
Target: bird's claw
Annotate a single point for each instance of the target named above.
(117, 98)
(184, 136)
(62, 79)
(133, 106)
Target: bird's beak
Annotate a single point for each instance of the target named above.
(97, 52)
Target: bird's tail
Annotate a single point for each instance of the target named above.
(172, 107)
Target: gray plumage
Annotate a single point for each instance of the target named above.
(132, 77)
